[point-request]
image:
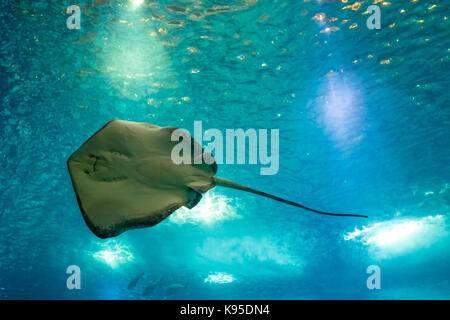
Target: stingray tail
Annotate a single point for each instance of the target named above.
(234, 185)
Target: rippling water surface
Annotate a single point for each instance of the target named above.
(364, 127)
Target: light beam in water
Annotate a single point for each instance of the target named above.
(341, 111)
(134, 58)
(136, 3)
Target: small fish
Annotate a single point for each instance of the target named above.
(173, 288)
(135, 280)
(177, 9)
(151, 287)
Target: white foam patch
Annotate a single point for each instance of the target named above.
(242, 250)
(219, 277)
(400, 236)
(211, 209)
(113, 253)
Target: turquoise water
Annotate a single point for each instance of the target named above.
(364, 128)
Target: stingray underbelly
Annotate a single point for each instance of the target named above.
(124, 178)
(116, 198)
(172, 176)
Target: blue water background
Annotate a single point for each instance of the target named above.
(364, 128)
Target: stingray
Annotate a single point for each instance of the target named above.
(124, 178)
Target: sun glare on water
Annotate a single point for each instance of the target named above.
(113, 254)
(136, 3)
(399, 236)
(219, 277)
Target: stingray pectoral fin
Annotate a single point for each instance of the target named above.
(114, 207)
(234, 185)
